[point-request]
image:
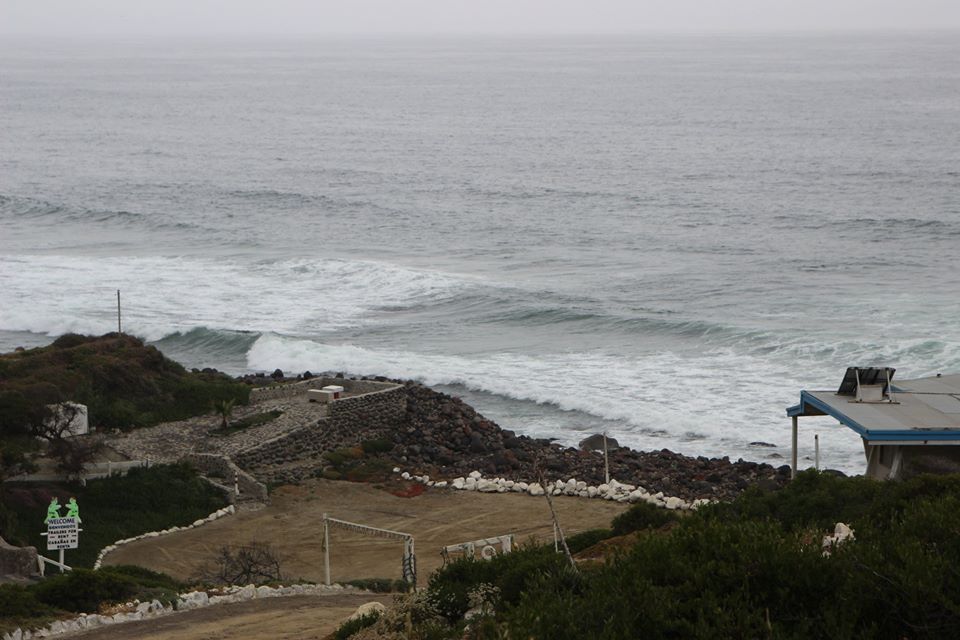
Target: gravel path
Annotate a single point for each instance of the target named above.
(288, 618)
(171, 441)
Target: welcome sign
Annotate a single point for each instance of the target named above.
(63, 533)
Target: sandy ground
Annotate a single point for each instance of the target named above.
(288, 618)
(292, 524)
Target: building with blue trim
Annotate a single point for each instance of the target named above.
(907, 428)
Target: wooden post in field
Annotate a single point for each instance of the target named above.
(793, 453)
(606, 459)
(326, 551)
(556, 524)
(119, 327)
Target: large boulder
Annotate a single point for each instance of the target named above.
(18, 561)
(367, 609)
(595, 443)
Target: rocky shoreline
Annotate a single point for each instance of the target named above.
(444, 437)
(447, 438)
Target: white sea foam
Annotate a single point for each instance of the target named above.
(714, 401)
(161, 295)
(666, 400)
(699, 299)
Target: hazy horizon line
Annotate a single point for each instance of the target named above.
(112, 35)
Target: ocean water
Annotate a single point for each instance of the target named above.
(664, 237)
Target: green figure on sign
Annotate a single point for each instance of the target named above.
(73, 509)
(53, 510)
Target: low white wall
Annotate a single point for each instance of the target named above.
(138, 611)
(216, 515)
(615, 491)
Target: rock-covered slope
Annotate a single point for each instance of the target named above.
(446, 437)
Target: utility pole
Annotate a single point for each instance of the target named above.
(119, 328)
(606, 459)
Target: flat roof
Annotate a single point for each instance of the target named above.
(926, 410)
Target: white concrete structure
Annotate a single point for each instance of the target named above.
(320, 395)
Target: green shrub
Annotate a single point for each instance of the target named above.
(368, 470)
(351, 627)
(338, 457)
(123, 382)
(820, 500)
(586, 539)
(755, 568)
(641, 516)
(450, 587)
(377, 445)
(351, 463)
(17, 601)
(379, 585)
(70, 340)
(333, 458)
(83, 590)
(80, 591)
(116, 507)
(144, 577)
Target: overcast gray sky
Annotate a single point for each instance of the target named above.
(189, 17)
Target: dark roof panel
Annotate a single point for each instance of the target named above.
(868, 375)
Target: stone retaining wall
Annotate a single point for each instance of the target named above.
(301, 443)
(223, 467)
(378, 410)
(349, 422)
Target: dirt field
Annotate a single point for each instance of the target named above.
(289, 618)
(292, 524)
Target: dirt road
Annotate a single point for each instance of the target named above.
(288, 618)
(292, 525)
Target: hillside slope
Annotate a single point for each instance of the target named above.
(123, 382)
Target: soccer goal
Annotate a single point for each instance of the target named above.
(409, 562)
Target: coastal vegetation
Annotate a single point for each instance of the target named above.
(756, 567)
(114, 508)
(123, 382)
(81, 591)
(363, 463)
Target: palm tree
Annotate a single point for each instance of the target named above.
(224, 409)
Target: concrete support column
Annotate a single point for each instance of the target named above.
(793, 452)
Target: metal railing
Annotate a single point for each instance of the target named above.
(91, 471)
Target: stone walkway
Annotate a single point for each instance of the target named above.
(171, 441)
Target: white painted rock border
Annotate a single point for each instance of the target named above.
(616, 491)
(136, 610)
(216, 515)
